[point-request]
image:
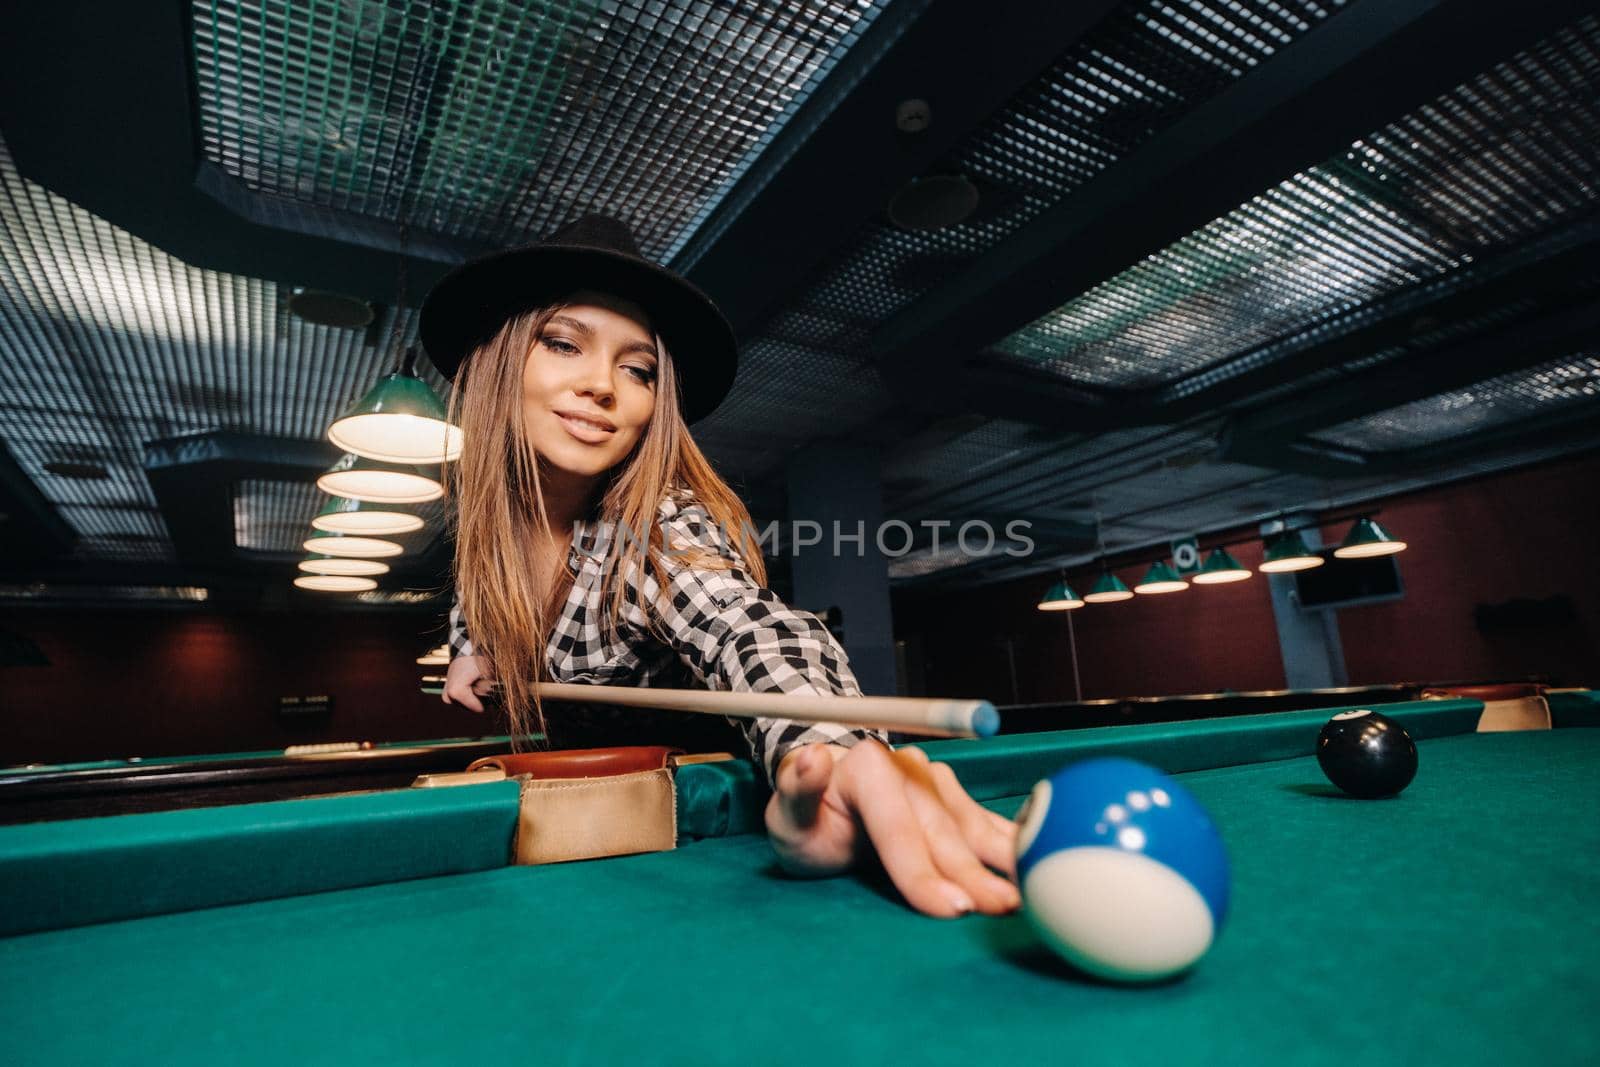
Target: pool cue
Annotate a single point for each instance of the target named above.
(909, 715)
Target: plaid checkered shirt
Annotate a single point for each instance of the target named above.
(717, 629)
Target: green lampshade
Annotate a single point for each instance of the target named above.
(1108, 589)
(1060, 597)
(332, 544)
(1288, 551)
(1219, 568)
(1367, 538)
(400, 420)
(360, 478)
(1161, 578)
(343, 515)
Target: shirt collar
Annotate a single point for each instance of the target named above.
(591, 538)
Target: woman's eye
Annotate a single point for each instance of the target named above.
(558, 344)
(643, 374)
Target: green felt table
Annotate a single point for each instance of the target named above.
(1453, 924)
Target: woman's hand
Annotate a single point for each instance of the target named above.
(833, 804)
(468, 678)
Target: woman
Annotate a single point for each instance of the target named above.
(595, 543)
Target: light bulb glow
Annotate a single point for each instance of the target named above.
(335, 583)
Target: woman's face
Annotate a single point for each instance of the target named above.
(589, 384)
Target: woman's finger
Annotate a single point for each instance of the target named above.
(803, 777)
(462, 695)
(992, 836)
(812, 836)
(875, 788)
(954, 848)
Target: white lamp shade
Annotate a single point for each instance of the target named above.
(354, 547)
(335, 583)
(397, 438)
(344, 565)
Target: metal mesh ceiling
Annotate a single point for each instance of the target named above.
(276, 517)
(1487, 166)
(783, 393)
(1133, 75)
(1547, 390)
(988, 450)
(1136, 73)
(1067, 479)
(107, 342)
(496, 121)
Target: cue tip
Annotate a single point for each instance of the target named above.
(985, 719)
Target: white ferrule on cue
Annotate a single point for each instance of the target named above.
(911, 715)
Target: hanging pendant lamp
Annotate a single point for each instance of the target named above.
(343, 565)
(1060, 597)
(1287, 551)
(343, 515)
(335, 583)
(1108, 589)
(331, 544)
(1365, 539)
(399, 420)
(1219, 568)
(359, 478)
(1160, 578)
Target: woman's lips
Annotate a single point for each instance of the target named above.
(590, 433)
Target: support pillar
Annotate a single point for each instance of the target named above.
(1313, 655)
(837, 487)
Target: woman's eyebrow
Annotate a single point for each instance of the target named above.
(632, 346)
(564, 320)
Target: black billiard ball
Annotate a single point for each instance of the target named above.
(1366, 754)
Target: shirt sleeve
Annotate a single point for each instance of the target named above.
(736, 635)
(460, 643)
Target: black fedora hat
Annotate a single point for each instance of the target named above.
(470, 304)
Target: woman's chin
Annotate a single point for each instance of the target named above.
(578, 461)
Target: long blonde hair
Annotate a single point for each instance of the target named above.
(509, 611)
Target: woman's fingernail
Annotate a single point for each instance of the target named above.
(962, 903)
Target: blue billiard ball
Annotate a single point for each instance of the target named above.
(1122, 871)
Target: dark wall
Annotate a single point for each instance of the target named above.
(1530, 535)
(151, 683)
(1205, 638)
(1533, 536)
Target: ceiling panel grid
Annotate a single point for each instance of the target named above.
(1143, 68)
(1490, 165)
(276, 517)
(107, 343)
(1063, 480)
(497, 121)
(1551, 389)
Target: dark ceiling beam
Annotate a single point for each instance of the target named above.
(109, 123)
(1541, 437)
(841, 158)
(1358, 71)
(193, 479)
(1526, 342)
(1553, 272)
(194, 476)
(30, 528)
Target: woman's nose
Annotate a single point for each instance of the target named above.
(597, 382)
